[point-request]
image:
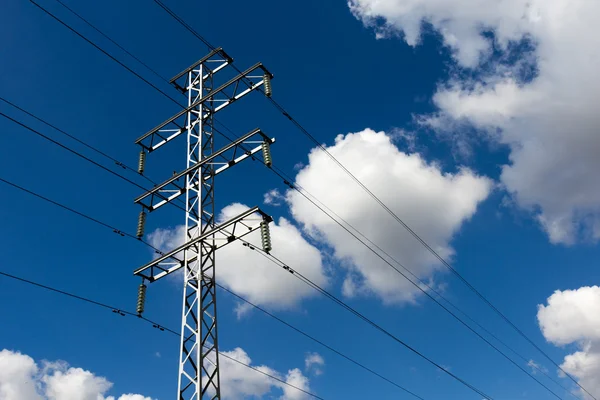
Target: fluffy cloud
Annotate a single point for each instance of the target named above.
(240, 382)
(573, 316)
(22, 379)
(256, 278)
(273, 197)
(547, 117)
(314, 362)
(433, 203)
(18, 374)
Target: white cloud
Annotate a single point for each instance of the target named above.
(133, 397)
(573, 316)
(314, 362)
(18, 374)
(535, 367)
(250, 274)
(433, 203)
(64, 383)
(273, 197)
(294, 377)
(22, 379)
(550, 122)
(240, 382)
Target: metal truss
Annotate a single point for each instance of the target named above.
(223, 234)
(227, 157)
(199, 375)
(219, 98)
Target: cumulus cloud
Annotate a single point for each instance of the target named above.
(543, 106)
(573, 316)
(273, 197)
(21, 378)
(251, 275)
(314, 362)
(239, 382)
(433, 203)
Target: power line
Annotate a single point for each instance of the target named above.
(124, 312)
(364, 318)
(79, 154)
(317, 341)
(289, 184)
(71, 150)
(281, 176)
(287, 180)
(105, 52)
(300, 127)
(86, 216)
(89, 146)
(112, 41)
(95, 220)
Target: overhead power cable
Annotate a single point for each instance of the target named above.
(317, 340)
(89, 146)
(44, 136)
(421, 283)
(124, 312)
(105, 52)
(363, 317)
(158, 251)
(321, 210)
(86, 216)
(113, 41)
(361, 241)
(78, 154)
(444, 262)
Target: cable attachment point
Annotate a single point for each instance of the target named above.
(265, 236)
(141, 300)
(268, 87)
(266, 150)
(142, 162)
(141, 224)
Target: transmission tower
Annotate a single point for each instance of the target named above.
(199, 374)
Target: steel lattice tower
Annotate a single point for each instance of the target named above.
(199, 292)
(199, 372)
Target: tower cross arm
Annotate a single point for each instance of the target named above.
(219, 98)
(223, 159)
(221, 235)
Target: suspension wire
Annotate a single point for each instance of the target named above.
(155, 249)
(81, 155)
(71, 150)
(88, 23)
(89, 146)
(285, 181)
(122, 233)
(353, 311)
(444, 262)
(264, 311)
(426, 293)
(124, 312)
(105, 52)
(81, 214)
(341, 221)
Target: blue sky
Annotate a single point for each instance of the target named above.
(521, 225)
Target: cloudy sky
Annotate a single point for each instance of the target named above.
(472, 121)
